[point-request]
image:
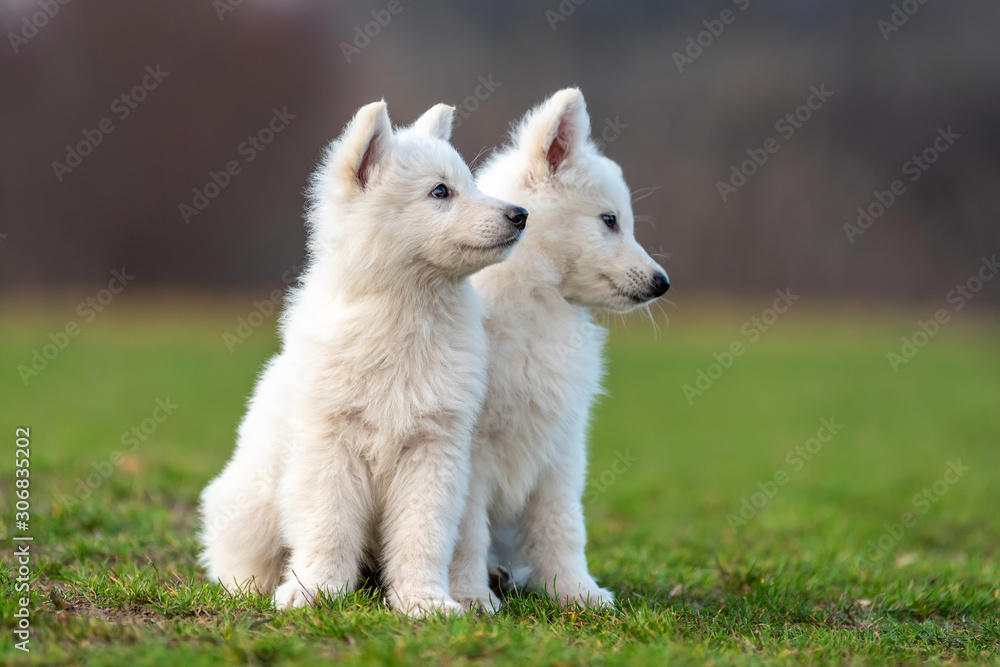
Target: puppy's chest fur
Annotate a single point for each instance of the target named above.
(545, 371)
(382, 384)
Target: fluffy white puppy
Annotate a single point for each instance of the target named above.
(355, 447)
(524, 511)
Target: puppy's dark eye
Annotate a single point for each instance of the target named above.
(440, 192)
(610, 220)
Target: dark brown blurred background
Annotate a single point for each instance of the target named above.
(229, 64)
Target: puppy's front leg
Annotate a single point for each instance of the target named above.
(468, 570)
(424, 506)
(325, 504)
(554, 537)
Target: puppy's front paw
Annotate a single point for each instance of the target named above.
(424, 605)
(480, 602)
(587, 596)
(293, 594)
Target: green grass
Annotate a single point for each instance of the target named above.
(116, 581)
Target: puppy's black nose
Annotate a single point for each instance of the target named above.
(517, 217)
(660, 284)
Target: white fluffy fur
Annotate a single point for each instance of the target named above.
(355, 445)
(524, 510)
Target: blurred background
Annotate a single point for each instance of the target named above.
(117, 114)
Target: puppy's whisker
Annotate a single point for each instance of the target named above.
(482, 150)
(652, 320)
(665, 316)
(642, 193)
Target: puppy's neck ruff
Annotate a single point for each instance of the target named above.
(319, 306)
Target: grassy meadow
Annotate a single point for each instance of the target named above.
(810, 506)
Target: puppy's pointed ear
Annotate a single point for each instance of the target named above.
(364, 146)
(554, 131)
(436, 121)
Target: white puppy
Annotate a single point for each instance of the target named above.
(524, 510)
(355, 446)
